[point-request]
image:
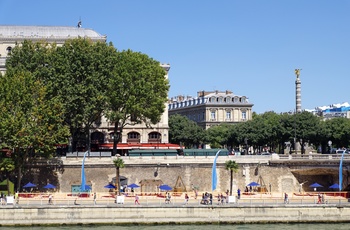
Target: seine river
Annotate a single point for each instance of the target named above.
(197, 227)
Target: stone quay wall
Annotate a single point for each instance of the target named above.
(193, 171)
(84, 215)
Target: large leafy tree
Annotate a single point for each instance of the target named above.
(76, 74)
(137, 92)
(185, 132)
(80, 70)
(30, 124)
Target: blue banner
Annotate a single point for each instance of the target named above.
(83, 180)
(214, 178)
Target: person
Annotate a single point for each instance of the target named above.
(2, 198)
(238, 194)
(94, 198)
(222, 198)
(50, 199)
(186, 198)
(137, 199)
(17, 197)
(167, 198)
(285, 198)
(319, 198)
(210, 198)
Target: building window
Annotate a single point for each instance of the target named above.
(133, 135)
(9, 49)
(244, 115)
(212, 115)
(228, 115)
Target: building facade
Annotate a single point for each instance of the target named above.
(211, 108)
(137, 136)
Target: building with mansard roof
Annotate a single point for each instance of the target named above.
(137, 136)
(212, 108)
(12, 35)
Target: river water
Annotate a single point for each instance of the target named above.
(332, 226)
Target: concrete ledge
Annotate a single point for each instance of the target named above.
(113, 214)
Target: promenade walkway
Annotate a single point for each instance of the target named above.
(60, 199)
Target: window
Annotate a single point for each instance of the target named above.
(9, 49)
(154, 135)
(244, 115)
(133, 135)
(228, 115)
(213, 115)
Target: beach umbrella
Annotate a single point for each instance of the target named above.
(316, 185)
(165, 187)
(336, 186)
(29, 185)
(253, 184)
(110, 186)
(133, 185)
(49, 186)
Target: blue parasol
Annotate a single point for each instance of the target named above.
(336, 186)
(49, 186)
(110, 186)
(253, 184)
(29, 185)
(133, 186)
(165, 187)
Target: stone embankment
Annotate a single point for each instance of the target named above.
(171, 214)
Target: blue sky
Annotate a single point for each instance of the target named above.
(250, 47)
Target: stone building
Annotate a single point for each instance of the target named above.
(212, 108)
(136, 136)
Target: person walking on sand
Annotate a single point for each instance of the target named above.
(186, 198)
(50, 199)
(137, 199)
(286, 198)
(94, 198)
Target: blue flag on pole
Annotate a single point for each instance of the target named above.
(214, 178)
(341, 172)
(83, 180)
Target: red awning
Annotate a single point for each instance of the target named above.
(140, 146)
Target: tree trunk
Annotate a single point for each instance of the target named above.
(231, 181)
(117, 182)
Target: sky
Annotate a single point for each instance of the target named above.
(250, 47)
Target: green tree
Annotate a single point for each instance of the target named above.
(118, 164)
(218, 136)
(79, 75)
(185, 132)
(137, 92)
(30, 124)
(76, 74)
(7, 166)
(233, 167)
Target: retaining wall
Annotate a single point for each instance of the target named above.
(84, 215)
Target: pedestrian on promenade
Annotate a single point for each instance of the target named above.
(238, 194)
(211, 198)
(186, 198)
(286, 201)
(50, 199)
(137, 199)
(319, 198)
(94, 198)
(17, 197)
